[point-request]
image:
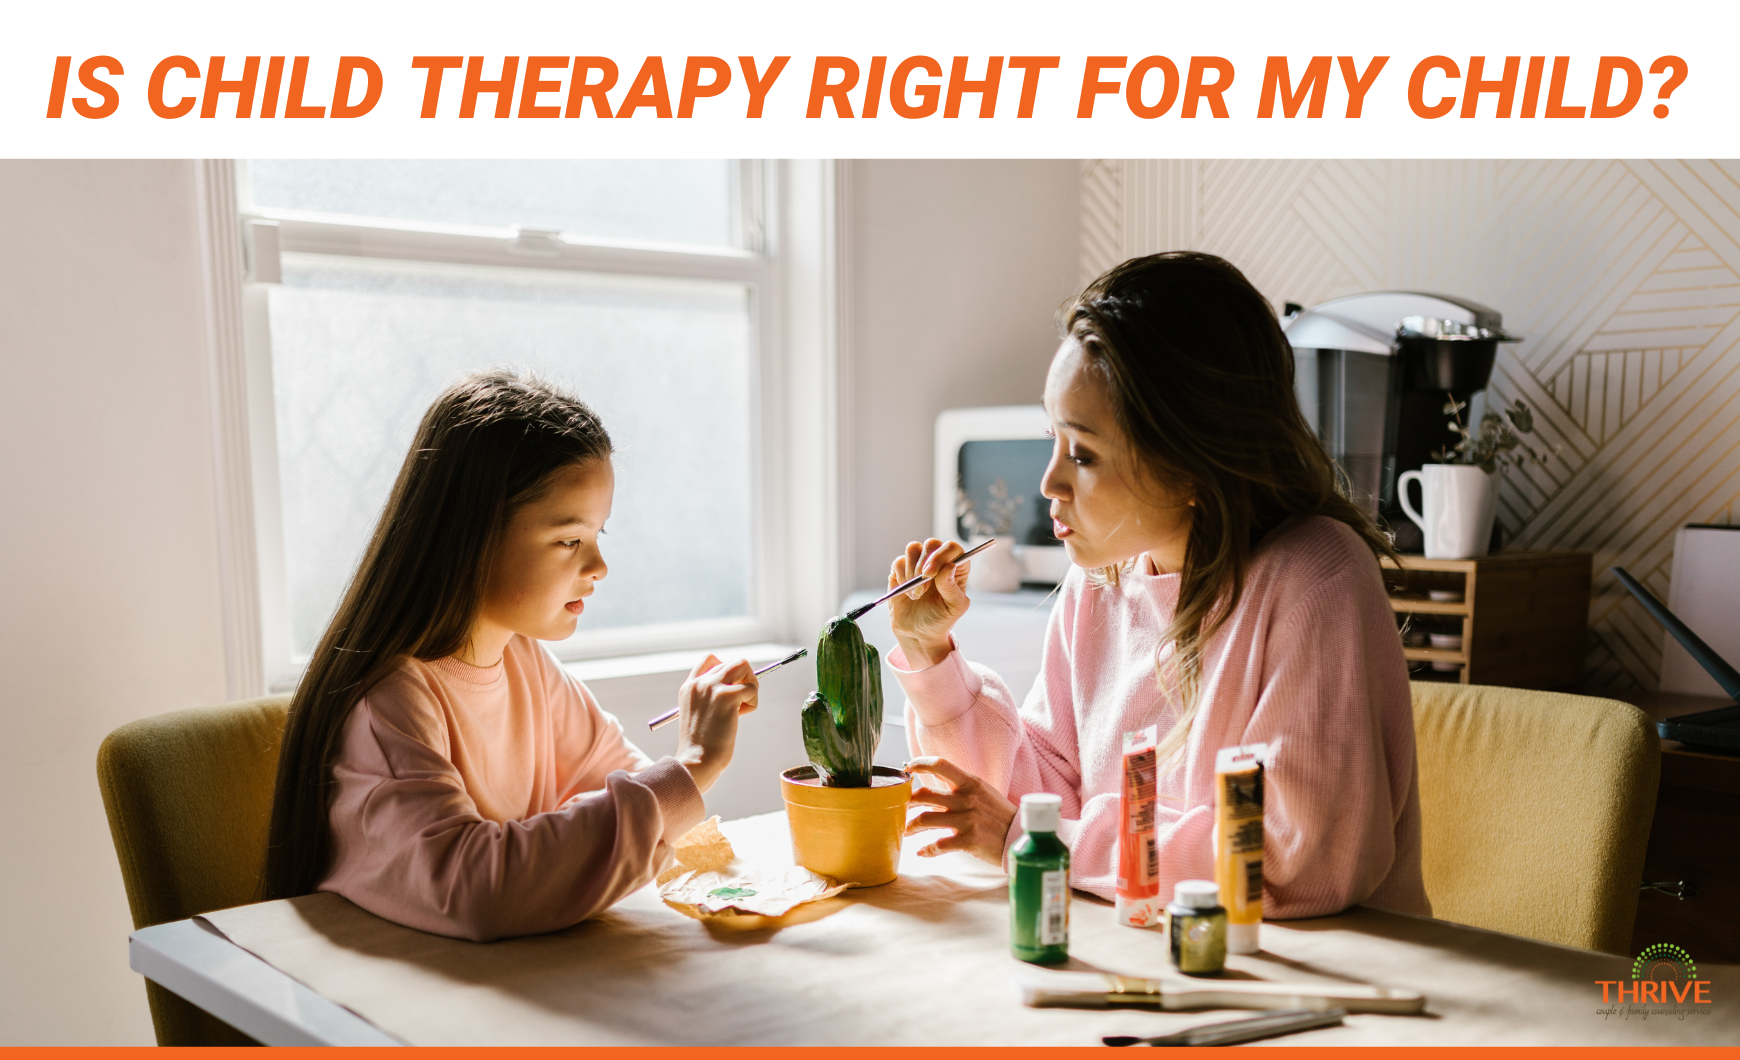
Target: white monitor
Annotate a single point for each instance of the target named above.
(1705, 585)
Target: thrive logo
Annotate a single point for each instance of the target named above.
(1662, 975)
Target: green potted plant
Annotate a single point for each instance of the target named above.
(1494, 444)
(847, 815)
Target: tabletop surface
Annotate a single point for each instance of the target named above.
(923, 960)
(1684, 766)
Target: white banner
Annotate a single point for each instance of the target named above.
(691, 79)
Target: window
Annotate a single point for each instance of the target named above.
(646, 287)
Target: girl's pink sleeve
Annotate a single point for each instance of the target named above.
(1335, 711)
(410, 845)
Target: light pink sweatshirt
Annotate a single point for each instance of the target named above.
(484, 802)
(1309, 663)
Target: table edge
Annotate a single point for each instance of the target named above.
(198, 964)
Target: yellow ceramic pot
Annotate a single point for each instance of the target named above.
(851, 834)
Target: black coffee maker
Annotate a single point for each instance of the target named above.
(1373, 373)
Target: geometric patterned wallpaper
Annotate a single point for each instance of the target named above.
(1623, 276)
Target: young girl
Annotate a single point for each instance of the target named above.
(1235, 597)
(439, 768)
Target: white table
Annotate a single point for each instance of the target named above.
(922, 960)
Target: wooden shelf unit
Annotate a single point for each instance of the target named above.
(1525, 615)
(1698, 804)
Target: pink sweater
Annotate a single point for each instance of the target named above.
(487, 802)
(1309, 663)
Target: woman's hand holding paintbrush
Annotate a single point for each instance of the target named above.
(978, 813)
(922, 618)
(915, 586)
(709, 729)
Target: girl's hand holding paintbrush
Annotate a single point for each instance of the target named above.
(708, 706)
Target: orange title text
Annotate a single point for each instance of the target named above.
(841, 87)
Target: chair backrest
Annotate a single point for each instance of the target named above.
(1535, 810)
(189, 798)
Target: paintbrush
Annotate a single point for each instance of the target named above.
(857, 613)
(1043, 988)
(1232, 1032)
(671, 715)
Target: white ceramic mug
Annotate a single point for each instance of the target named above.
(1460, 502)
(995, 570)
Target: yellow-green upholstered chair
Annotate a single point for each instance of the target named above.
(189, 796)
(1535, 810)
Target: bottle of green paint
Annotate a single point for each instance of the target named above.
(1039, 884)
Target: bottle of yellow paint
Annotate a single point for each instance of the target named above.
(1238, 842)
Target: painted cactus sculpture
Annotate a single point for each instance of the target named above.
(843, 717)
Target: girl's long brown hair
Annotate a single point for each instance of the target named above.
(1201, 382)
(487, 445)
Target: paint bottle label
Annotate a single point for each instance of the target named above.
(1138, 891)
(1054, 909)
(1238, 842)
(1039, 884)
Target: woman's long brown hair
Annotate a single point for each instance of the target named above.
(487, 445)
(1201, 382)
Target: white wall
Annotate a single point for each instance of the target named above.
(956, 270)
(110, 610)
(108, 559)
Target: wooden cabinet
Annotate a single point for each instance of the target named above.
(1691, 842)
(1523, 617)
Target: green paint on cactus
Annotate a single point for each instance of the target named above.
(842, 719)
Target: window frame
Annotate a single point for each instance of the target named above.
(794, 376)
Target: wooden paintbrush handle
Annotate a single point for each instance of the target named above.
(1186, 994)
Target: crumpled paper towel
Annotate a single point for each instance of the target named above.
(757, 892)
(702, 848)
(706, 882)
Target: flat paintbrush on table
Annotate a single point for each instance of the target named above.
(1047, 988)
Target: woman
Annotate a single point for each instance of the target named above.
(1224, 588)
